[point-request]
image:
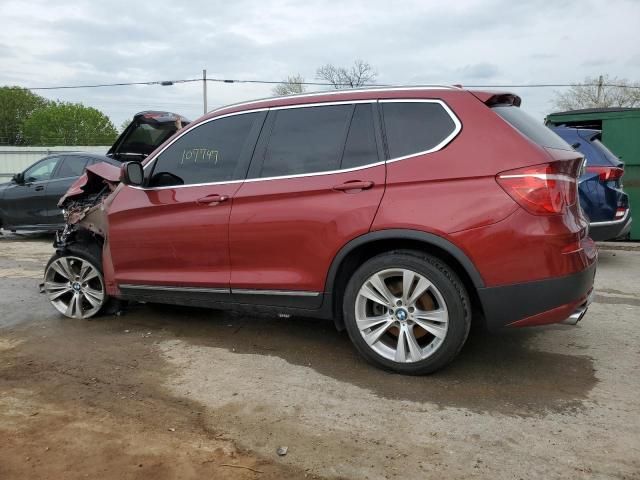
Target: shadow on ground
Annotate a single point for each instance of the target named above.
(493, 373)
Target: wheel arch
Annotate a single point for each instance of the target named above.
(366, 246)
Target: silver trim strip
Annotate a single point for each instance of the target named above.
(238, 291)
(164, 288)
(611, 222)
(440, 146)
(291, 293)
(337, 92)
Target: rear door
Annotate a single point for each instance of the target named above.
(315, 183)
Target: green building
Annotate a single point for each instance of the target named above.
(621, 134)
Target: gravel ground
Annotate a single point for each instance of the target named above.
(167, 392)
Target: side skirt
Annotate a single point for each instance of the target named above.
(300, 303)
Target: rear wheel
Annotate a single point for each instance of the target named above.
(407, 312)
(74, 283)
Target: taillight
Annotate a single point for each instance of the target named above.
(607, 174)
(546, 189)
(620, 212)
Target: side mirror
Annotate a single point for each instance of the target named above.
(131, 173)
(18, 178)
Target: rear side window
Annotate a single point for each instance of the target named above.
(360, 148)
(531, 128)
(208, 153)
(71, 167)
(415, 127)
(306, 140)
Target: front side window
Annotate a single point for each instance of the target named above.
(414, 127)
(208, 153)
(306, 140)
(41, 171)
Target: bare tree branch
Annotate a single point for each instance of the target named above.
(359, 74)
(291, 86)
(615, 92)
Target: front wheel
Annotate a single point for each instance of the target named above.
(74, 284)
(407, 312)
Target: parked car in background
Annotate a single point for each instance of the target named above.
(402, 214)
(601, 195)
(30, 200)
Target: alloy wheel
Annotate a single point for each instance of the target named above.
(401, 315)
(74, 286)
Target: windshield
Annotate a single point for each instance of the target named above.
(145, 138)
(531, 128)
(609, 155)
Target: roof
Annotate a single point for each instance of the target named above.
(597, 110)
(346, 94)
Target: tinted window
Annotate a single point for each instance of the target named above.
(71, 167)
(608, 154)
(535, 130)
(413, 127)
(306, 140)
(41, 171)
(360, 148)
(208, 153)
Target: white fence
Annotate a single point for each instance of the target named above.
(16, 159)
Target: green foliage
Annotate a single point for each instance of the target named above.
(16, 105)
(63, 123)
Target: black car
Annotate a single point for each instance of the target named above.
(30, 200)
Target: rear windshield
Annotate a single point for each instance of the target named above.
(531, 128)
(609, 155)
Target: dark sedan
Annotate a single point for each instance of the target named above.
(29, 200)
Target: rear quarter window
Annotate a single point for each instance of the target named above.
(531, 128)
(416, 127)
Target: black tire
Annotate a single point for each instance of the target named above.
(451, 289)
(91, 253)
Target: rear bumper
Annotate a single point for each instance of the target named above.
(602, 231)
(537, 303)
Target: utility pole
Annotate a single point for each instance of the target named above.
(599, 97)
(204, 89)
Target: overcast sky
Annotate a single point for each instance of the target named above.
(63, 42)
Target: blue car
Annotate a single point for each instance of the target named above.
(600, 187)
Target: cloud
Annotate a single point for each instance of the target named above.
(478, 41)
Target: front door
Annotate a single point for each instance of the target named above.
(315, 183)
(25, 202)
(174, 230)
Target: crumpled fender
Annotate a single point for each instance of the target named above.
(107, 173)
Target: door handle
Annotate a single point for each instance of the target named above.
(39, 188)
(353, 185)
(212, 199)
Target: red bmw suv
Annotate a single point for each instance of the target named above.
(402, 214)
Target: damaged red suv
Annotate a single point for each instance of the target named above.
(402, 214)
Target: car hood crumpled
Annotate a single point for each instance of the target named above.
(92, 180)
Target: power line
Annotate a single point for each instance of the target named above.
(325, 84)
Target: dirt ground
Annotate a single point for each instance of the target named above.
(167, 392)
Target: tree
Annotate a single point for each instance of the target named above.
(16, 105)
(63, 123)
(358, 75)
(291, 86)
(600, 92)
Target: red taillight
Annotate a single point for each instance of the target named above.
(607, 174)
(545, 189)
